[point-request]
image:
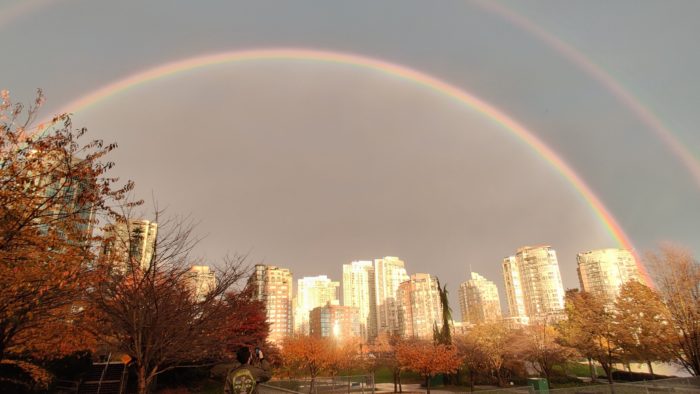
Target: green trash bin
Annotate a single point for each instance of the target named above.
(539, 384)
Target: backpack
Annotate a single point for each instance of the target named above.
(242, 382)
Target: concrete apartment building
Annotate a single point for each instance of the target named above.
(389, 273)
(130, 244)
(273, 286)
(335, 321)
(479, 301)
(420, 309)
(533, 285)
(312, 292)
(359, 292)
(514, 293)
(202, 280)
(604, 271)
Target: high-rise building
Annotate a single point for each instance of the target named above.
(479, 301)
(64, 190)
(335, 321)
(273, 286)
(312, 292)
(359, 292)
(604, 271)
(533, 285)
(130, 244)
(389, 273)
(420, 309)
(460, 328)
(514, 292)
(202, 281)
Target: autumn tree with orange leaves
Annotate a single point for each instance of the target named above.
(644, 326)
(52, 184)
(428, 359)
(382, 352)
(343, 355)
(677, 276)
(540, 345)
(592, 329)
(307, 355)
(474, 359)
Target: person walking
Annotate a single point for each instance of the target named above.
(244, 378)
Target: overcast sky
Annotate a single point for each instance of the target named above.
(309, 165)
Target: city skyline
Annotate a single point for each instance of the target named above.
(382, 290)
(529, 298)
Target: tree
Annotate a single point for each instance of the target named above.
(591, 328)
(495, 342)
(573, 336)
(383, 352)
(150, 311)
(428, 359)
(473, 358)
(307, 354)
(246, 322)
(443, 334)
(644, 323)
(52, 183)
(343, 355)
(539, 345)
(677, 275)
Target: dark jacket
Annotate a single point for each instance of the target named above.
(261, 372)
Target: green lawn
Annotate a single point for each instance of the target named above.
(574, 368)
(383, 375)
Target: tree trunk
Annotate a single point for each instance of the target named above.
(427, 384)
(396, 381)
(142, 382)
(499, 378)
(608, 372)
(471, 380)
(400, 385)
(591, 369)
(595, 373)
(651, 370)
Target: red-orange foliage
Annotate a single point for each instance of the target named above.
(383, 352)
(343, 355)
(246, 323)
(311, 356)
(51, 186)
(428, 359)
(305, 354)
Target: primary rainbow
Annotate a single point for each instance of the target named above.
(395, 70)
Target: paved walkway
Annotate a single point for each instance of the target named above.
(416, 388)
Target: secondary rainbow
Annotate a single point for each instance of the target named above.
(395, 70)
(689, 161)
